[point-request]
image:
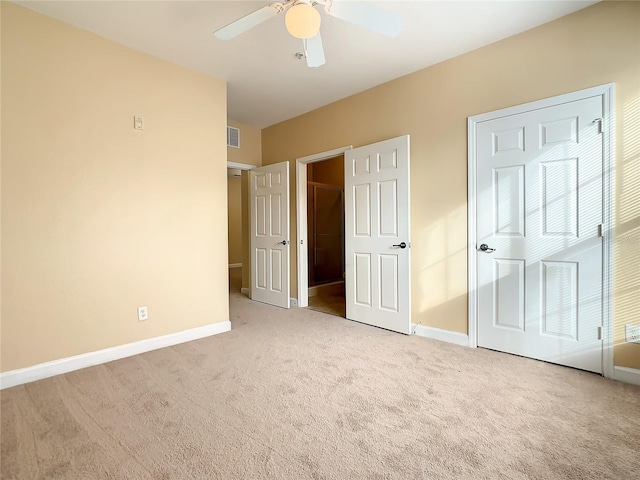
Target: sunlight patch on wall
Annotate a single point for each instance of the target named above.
(629, 173)
(627, 238)
(443, 251)
(627, 282)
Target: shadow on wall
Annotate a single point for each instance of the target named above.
(627, 237)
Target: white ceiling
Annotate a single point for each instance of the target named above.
(266, 83)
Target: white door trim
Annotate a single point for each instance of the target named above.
(607, 92)
(301, 217)
(241, 166)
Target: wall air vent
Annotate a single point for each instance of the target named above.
(233, 137)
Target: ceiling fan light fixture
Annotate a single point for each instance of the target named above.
(302, 20)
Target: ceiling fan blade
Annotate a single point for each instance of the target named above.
(315, 51)
(248, 21)
(387, 23)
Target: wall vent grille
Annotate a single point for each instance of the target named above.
(233, 137)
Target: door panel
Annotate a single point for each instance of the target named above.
(378, 283)
(388, 195)
(508, 185)
(509, 293)
(276, 270)
(560, 299)
(389, 283)
(261, 268)
(276, 215)
(560, 198)
(269, 192)
(362, 213)
(539, 205)
(362, 279)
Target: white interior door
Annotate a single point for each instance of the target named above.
(269, 205)
(540, 206)
(377, 235)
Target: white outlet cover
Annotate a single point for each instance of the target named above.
(632, 333)
(143, 313)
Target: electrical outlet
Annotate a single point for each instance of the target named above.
(632, 333)
(138, 122)
(143, 313)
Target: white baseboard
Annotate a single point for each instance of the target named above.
(235, 265)
(439, 334)
(69, 364)
(245, 291)
(627, 375)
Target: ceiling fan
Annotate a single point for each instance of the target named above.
(303, 21)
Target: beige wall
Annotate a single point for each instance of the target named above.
(250, 151)
(235, 232)
(594, 46)
(99, 218)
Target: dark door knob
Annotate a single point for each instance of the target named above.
(401, 245)
(283, 242)
(486, 248)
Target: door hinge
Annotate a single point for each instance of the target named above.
(600, 230)
(599, 122)
(599, 333)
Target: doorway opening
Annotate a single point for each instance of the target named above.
(377, 232)
(320, 231)
(325, 233)
(237, 223)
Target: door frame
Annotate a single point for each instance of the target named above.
(301, 218)
(607, 92)
(243, 166)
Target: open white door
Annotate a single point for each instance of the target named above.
(377, 235)
(269, 206)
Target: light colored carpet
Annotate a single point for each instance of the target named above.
(297, 394)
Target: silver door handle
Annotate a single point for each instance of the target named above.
(486, 248)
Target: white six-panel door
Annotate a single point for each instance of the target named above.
(269, 212)
(377, 221)
(539, 205)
